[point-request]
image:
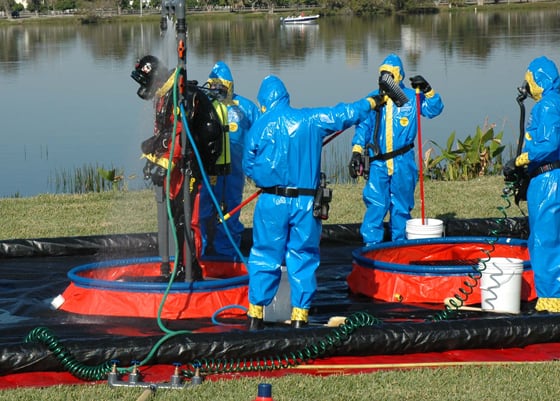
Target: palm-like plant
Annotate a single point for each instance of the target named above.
(475, 156)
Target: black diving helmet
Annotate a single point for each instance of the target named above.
(147, 72)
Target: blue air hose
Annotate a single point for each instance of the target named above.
(207, 183)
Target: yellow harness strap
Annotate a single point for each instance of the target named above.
(389, 135)
(160, 161)
(166, 86)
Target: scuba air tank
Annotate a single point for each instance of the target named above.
(208, 123)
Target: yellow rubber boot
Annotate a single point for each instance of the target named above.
(300, 317)
(548, 304)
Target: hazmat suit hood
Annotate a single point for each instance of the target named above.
(542, 77)
(221, 77)
(272, 93)
(394, 65)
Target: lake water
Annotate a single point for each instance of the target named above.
(68, 99)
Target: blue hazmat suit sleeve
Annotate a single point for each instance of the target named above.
(284, 146)
(250, 151)
(340, 117)
(364, 130)
(542, 140)
(431, 107)
(249, 108)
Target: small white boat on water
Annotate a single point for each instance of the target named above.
(300, 19)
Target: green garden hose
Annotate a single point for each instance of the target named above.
(68, 362)
(338, 335)
(206, 366)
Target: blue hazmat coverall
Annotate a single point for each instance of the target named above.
(283, 148)
(228, 189)
(542, 144)
(391, 183)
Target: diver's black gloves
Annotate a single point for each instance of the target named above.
(419, 82)
(511, 171)
(356, 165)
(154, 172)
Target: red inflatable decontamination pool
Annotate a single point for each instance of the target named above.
(431, 270)
(135, 287)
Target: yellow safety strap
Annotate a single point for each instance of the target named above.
(160, 161)
(389, 135)
(221, 109)
(166, 86)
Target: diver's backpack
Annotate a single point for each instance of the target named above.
(208, 126)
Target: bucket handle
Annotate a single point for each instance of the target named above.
(491, 276)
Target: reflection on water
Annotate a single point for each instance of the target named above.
(69, 100)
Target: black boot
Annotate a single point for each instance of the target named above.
(299, 324)
(255, 323)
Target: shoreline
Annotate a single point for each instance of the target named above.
(110, 15)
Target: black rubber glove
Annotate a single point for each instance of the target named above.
(356, 166)
(379, 101)
(419, 82)
(510, 170)
(154, 172)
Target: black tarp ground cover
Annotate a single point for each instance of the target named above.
(32, 272)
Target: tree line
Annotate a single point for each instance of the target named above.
(356, 7)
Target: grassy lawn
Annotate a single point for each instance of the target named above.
(515, 381)
(135, 212)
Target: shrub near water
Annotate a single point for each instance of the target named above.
(473, 157)
(476, 156)
(88, 178)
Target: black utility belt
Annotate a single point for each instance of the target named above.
(545, 168)
(289, 192)
(394, 153)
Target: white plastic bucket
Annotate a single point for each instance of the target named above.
(432, 228)
(500, 284)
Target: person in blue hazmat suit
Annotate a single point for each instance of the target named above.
(541, 158)
(386, 138)
(283, 157)
(227, 189)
